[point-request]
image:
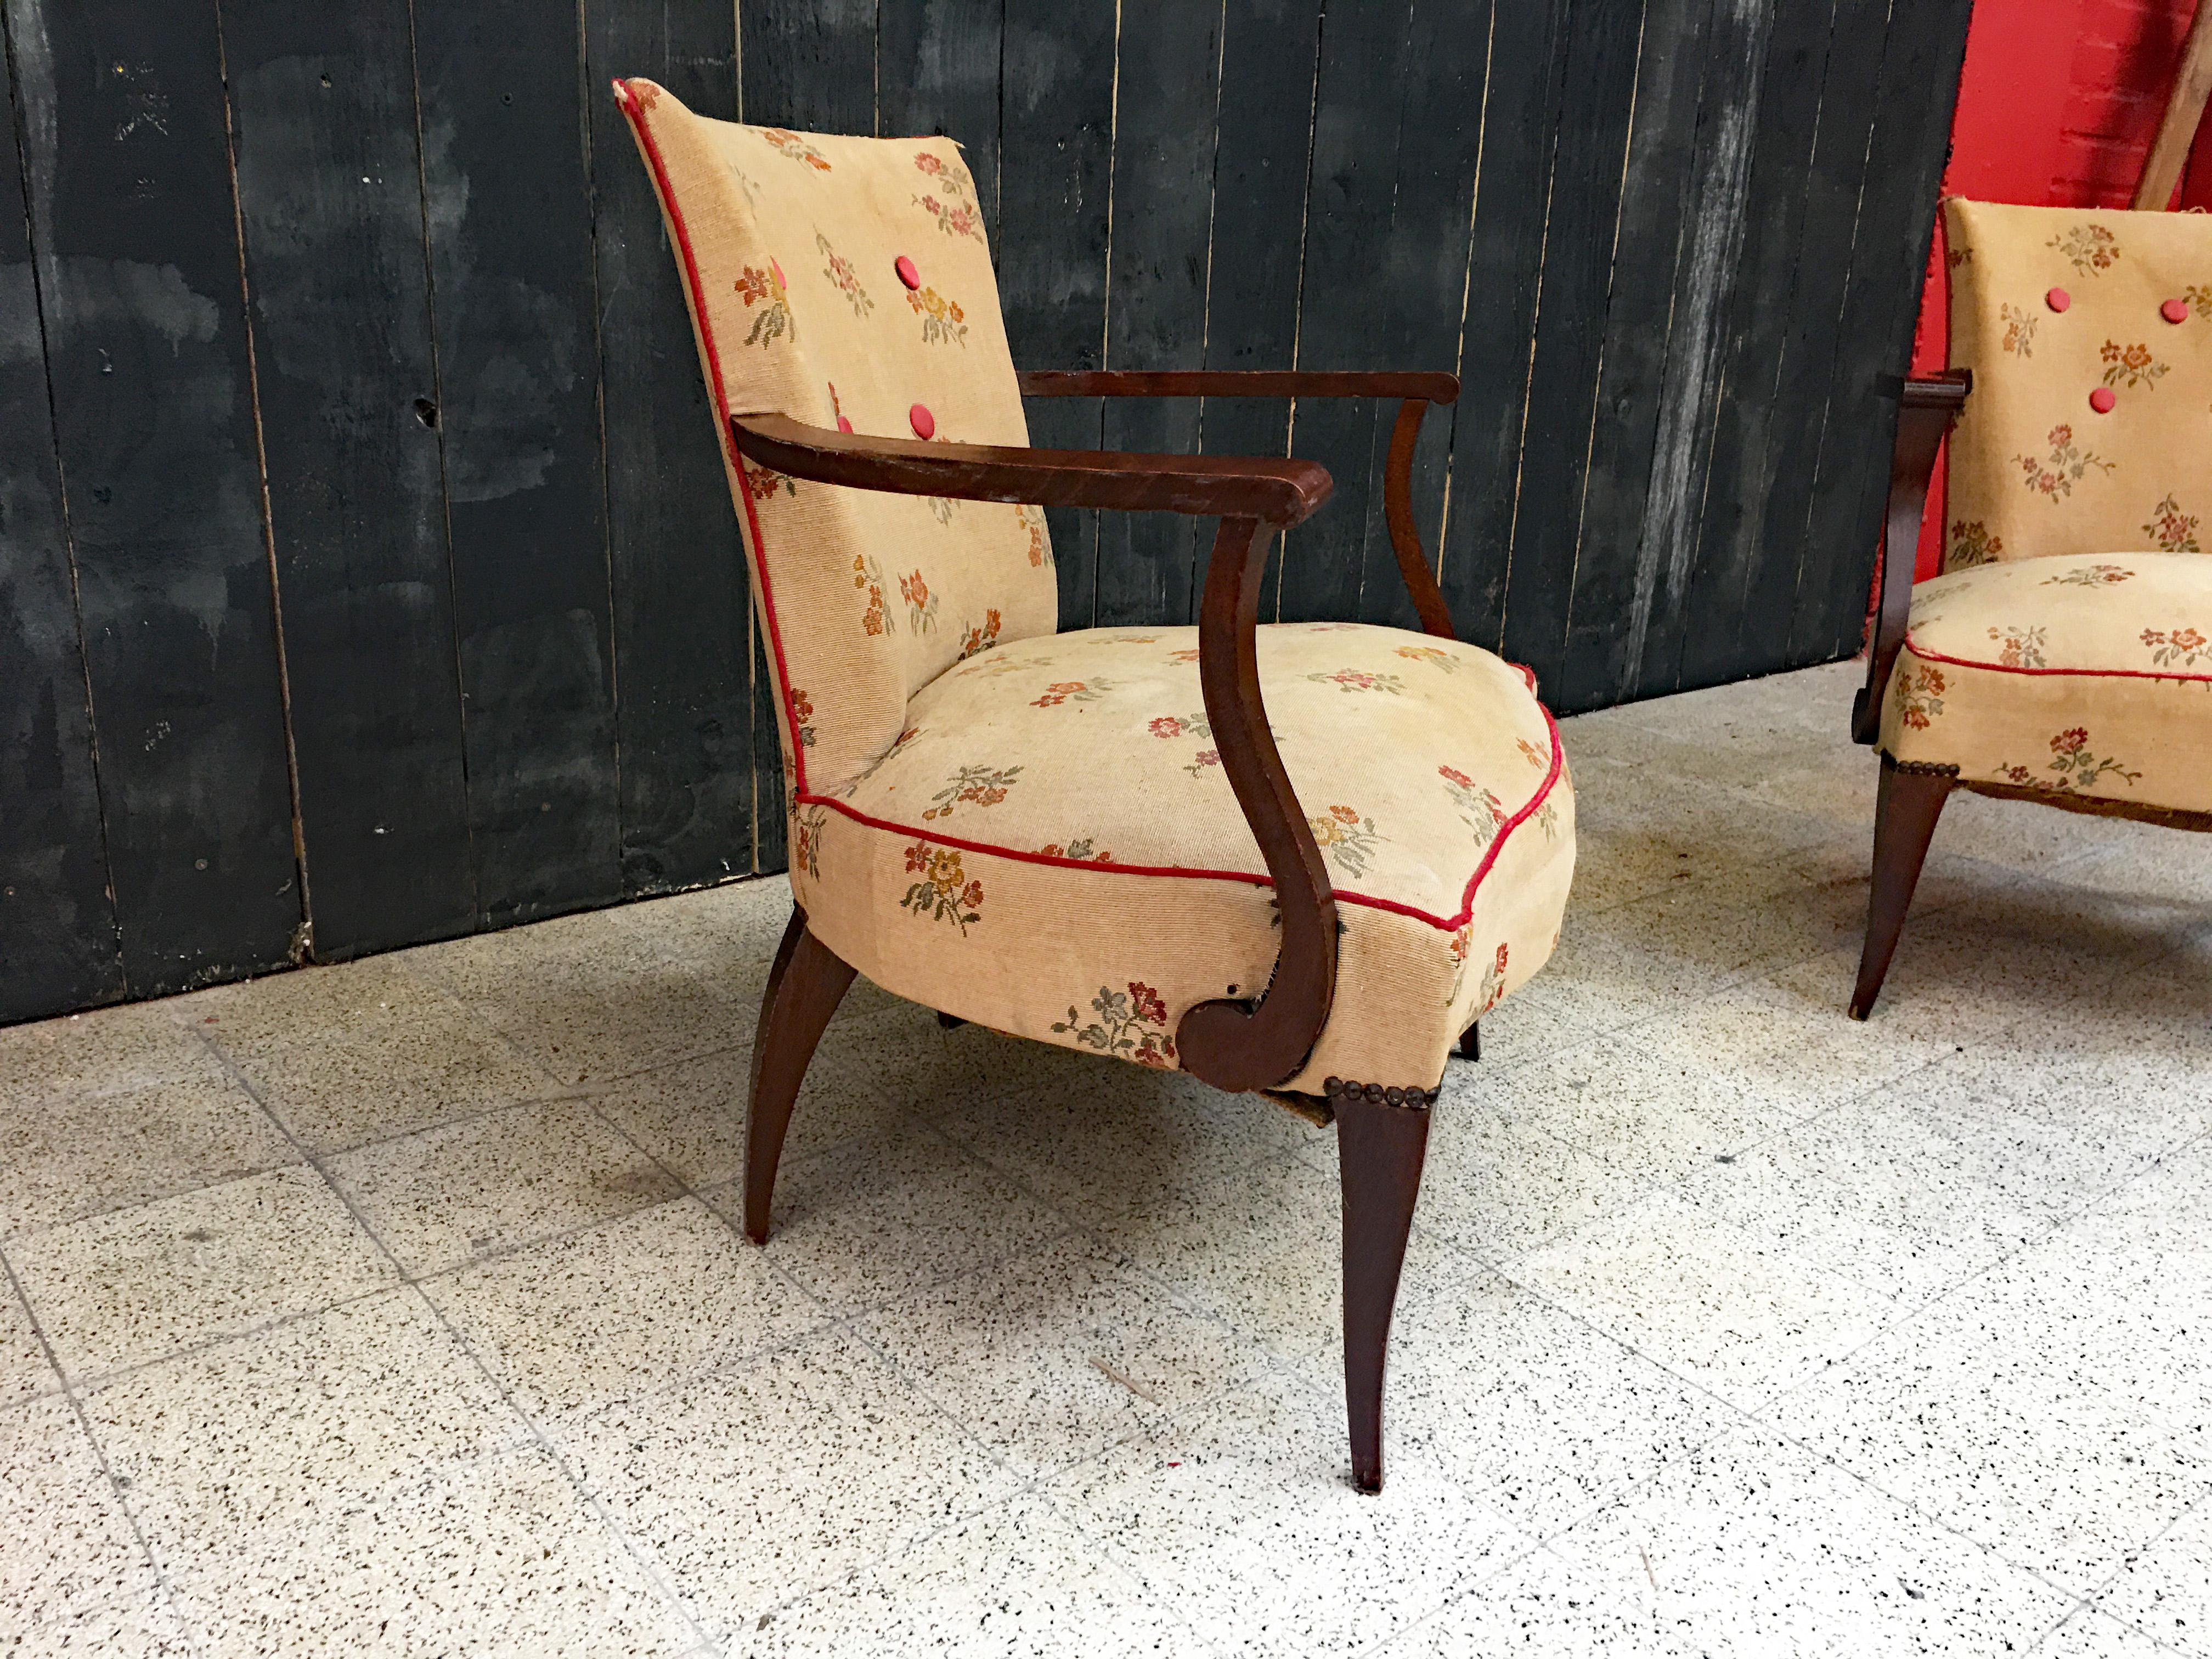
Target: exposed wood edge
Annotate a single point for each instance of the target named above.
(1428, 385)
(1404, 535)
(2184, 110)
(2095, 805)
(1271, 492)
(1928, 409)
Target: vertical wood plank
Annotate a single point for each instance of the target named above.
(1056, 152)
(937, 71)
(330, 195)
(510, 228)
(55, 916)
(1163, 187)
(810, 64)
(133, 234)
(683, 651)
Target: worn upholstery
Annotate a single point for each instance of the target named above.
(2059, 653)
(1032, 830)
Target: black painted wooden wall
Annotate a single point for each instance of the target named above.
(367, 575)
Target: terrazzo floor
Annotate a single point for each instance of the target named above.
(397, 1308)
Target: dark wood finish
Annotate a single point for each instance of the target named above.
(1420, 581)
(1927, 409)
(56, 915)
(2168, 818)
(1272, 492)
(322, 99)
(147, 363)
(950, 1022)
(1240, 1044)
(509, 216)
(805, 986)
(1910, 802)
(1382, 1140)
(1470, 1042)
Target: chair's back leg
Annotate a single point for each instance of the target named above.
(1470, 1041)
(1382, 1137)
(1910, 799)
(804, 989)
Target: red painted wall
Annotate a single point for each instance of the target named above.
(2058, 105)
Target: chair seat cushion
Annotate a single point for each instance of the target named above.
(2082, 678)
(1052, 849)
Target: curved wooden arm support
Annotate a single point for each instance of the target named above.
(1929, 407)
(1275, 492)
(1244, 1044)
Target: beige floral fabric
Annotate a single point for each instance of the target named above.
(2036, 467)
(1051, 848)
(791, 244)
(1028, 830)
(2078, 675)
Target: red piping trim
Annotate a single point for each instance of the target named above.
(694, 295)
(2090, 673)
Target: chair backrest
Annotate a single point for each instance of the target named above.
(2089, 430)
(846, 283)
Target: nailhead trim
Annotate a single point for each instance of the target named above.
(1418, 1100)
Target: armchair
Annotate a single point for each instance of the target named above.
(2064, 656)
(1302, 860)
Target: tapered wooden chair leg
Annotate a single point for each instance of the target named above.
(1381, 1145)
(1905, 811)
(1470, 1041)
(804, 989)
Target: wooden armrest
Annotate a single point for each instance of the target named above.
(1927, 409)
(1273, 492)
(1237, 383)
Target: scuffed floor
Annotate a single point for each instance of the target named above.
(395, 1308)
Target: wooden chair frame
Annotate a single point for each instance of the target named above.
(1242, 1043)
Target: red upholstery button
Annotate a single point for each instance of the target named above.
(843, 425)
(2058, 299)
(925, 424)
(907, 273)
(2175, 310)
(2102, 400)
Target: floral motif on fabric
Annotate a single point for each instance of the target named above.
(1355, 679)
(1462, 943)
(920, 603)
(2198, 296)
(1535, 757)
(998, 666)
(1032, 520)
(2056, 477)
(957, 217)
(1191, 726)
(1972, 544)
(1547, 818)
(944, 893)
(2092, 575)
(1190, 655)
(2130, 365)
(1920, 696)
(806, 838)
(1345, 838)
(644, 94)
(868, 577)
(943, 322)
(1131, 1023)
(1478, 808)
(980, 638)
(2020, 647)
(760, 482)
(2178, 647)
(1430, 654)
(2170, 530)
(839, 270)
(2091, 249)
(802, 717)
(1060, 692)
(1083, 848)
(2019, 330)
(765, 288)
(974, 786)
(940, 508)
(797, 148)
(2078, 767)
(1491, 991)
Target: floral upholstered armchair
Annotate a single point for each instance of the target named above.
(1303, 859)
(2066, 653)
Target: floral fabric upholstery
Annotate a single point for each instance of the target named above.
(2073, 676)
(1032, 830)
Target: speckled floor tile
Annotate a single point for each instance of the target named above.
(310, 1006)
(24, 1368)
(752, 1487)
(1710, 1302)
(129, 1286)
(223, 1449)
(504, 1557)
(79, 1155)
(1649, 1120)
(891, 1214)
(138, 1047)
(65, 1543)
(2164, 1586)
(1495, 1185)
(128, 1627)
(2093, 1635)
(621, 1308)
(1045, 1358)
(1242, 1515)
(445, 1196)
(1543, 1607)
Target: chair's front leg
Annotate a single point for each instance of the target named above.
(804, 989)
(1381, 1141)
(1909, 802)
